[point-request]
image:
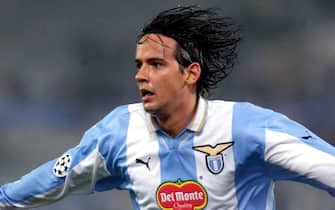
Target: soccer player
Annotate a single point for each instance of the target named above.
(176, 149)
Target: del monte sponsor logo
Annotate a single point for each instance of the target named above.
(181, 195)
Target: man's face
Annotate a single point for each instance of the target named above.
(159, 78)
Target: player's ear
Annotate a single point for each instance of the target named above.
(192, 73)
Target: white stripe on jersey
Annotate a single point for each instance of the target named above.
(286, 150)
(223, 195)
(142, 144)
(92, 168)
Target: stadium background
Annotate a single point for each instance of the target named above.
(65, 64)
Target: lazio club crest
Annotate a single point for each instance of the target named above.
(214, 157)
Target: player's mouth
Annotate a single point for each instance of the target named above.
(146, 94)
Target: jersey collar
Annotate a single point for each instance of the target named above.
(196, 124)
(199, 118)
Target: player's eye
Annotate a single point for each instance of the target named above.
(156, 64)
(138, 65)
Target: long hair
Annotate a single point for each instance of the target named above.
(203, 36)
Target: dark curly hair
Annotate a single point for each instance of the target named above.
(203, 36)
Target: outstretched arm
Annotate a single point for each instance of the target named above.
(78, 169)
(295, 153)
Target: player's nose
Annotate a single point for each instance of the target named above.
(142, 74)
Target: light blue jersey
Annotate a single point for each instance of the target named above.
(228, 157)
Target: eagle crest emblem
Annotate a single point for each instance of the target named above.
(214, 157)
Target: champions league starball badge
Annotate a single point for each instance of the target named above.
(62, 165)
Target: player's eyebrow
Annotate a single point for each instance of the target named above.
(150, 60)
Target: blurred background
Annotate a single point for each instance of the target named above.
(65, 64)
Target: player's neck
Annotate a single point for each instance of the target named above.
(174, 123)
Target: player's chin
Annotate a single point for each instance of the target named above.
(149, 107)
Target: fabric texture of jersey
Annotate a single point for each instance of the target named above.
(228, 157)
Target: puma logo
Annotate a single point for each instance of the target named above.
(146, 163)
(307, 136)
